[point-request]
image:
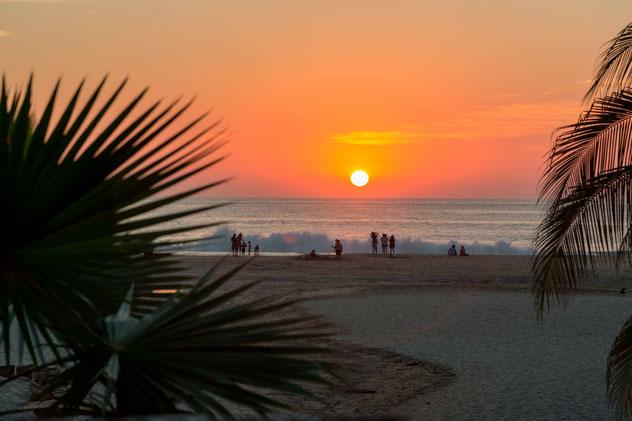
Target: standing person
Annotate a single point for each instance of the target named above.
(391, 244)
(338, 249)
(249, 247)
(238, 244)
(243, 248)
(257, 250)
(374, 242)
(233, 244)
(384, 241)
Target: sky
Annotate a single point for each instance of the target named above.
(434, 99)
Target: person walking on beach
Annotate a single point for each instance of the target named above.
(391, 245)
(338, 249)
(233, 244)
(384, 241)
(249, 245)
(374, 242)
(257, 250)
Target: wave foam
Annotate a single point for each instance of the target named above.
(304, 242)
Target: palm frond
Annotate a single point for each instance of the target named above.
(76, 197)
(614, 72)
(587, 189)
(619, 372)
(596, 143)
(591, 224)
(194, 353)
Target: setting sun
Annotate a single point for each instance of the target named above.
(359, 178)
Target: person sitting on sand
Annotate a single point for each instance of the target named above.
(257, 250)
(384, 241)
(338, 249)
(452, 251)
(462, 251)
(374, 242)
(391, 245)
(312, 254)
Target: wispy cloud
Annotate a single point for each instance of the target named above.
(6, 34)
(507, 121)
(367, 137)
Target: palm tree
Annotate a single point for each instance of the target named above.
(79, 277)
(587, 187)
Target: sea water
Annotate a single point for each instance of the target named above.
(420, 226)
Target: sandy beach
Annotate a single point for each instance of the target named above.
(422, 336)
(442, 337)
(307, 277)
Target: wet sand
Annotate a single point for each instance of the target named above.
(307, 277)
(449, 337)
(507, 365)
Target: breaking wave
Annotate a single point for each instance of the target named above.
(304, 242)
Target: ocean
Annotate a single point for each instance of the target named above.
(420, 226)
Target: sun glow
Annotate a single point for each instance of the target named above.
(359, 178)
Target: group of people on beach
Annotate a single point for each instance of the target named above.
(239, 245)
(452, 251)
(388, 243)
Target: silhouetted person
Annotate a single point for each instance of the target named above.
(243, 248)
(452, 251)
(384, 241)
(462, 251)
(257, 250)
(622, 291)
(391, 244)
(249, 247)
(374, 242)
(233, 244)
(313, 254)
(338, 249)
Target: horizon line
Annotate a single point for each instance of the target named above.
(534, 199)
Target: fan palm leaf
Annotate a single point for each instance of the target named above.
(197, 352)
(76, 195)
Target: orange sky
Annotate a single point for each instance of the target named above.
(451, 99)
